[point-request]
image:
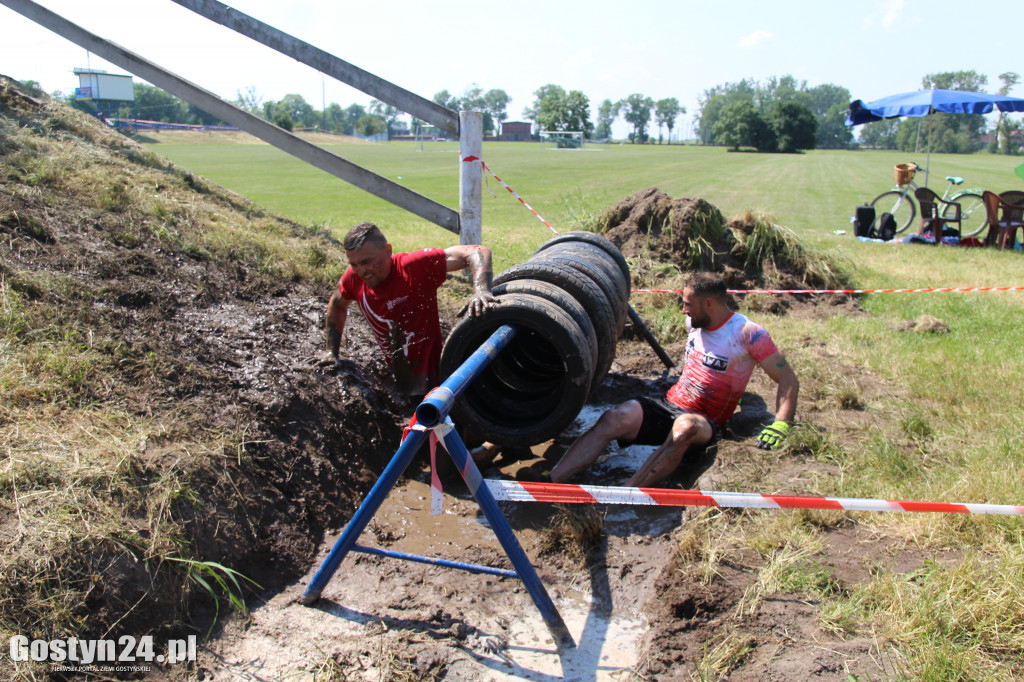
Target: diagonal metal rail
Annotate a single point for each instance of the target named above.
(324, 62)
(367, 180)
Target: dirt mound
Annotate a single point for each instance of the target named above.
(159, 334)
(664, 237)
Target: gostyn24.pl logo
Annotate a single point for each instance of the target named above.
(125, 649)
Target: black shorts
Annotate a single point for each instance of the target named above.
(659, 415)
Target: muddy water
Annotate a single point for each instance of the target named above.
(496, 631)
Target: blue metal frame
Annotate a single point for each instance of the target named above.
(431, 413)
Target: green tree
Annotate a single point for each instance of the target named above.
(532, 112)
(445, 99)
(295, 107)
(1003, 140)
(334, 118)
(154, 104)
(249, 100)
(283, 120)
(666, 111)
(880, 134)
(353, 113)
(740, 124)
(794, 126)
(386, 113)
(831, 106)
(555, 109)
(636, 109)
(946, 133)
(495, 102)
(606, 115)
(713, 100)
(369, 125)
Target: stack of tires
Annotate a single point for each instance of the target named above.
(569, 304)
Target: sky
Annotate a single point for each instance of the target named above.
(606, 49)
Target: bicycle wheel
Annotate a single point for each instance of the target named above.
(899, 204)
(973, 218)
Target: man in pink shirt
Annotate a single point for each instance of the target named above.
(397, 294)
(722, 349)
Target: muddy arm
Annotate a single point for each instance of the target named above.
(478, 259)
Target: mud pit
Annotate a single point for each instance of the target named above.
(206, 341)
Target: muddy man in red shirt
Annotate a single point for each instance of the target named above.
(397, 294)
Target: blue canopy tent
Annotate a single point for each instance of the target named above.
(925, 102)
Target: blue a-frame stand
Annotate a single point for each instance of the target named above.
(432, 413)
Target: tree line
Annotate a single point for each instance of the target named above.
(779, 114)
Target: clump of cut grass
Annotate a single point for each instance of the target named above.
(765, 246)
(916, 426)
(573, 531)
(582, 212)
(699, 550)
(812, 442)
(722, 655)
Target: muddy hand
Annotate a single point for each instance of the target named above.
(478, 304)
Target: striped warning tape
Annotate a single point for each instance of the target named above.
(838, 291)
(521, 200)
(561, 493)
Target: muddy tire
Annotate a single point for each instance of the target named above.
(596, 257)
(594, 239)
(536, 386)
(586, 291)
(595, 272)
(560, 298)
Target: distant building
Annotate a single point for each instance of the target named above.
(109, 91)
(516, 131)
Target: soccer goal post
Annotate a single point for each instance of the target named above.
(561, 139)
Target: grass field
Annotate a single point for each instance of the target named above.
(955, 434)
(813, 193)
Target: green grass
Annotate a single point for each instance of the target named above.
(812, 194)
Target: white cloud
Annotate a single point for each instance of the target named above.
(755, 39)
(893, 12)
(890, 14)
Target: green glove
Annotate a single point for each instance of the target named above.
(772, 435)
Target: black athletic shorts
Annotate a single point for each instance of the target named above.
(659, 415)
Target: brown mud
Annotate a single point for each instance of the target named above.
(222, 345)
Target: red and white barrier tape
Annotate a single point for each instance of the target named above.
(521, 200)
(838, 291)
(561, 493)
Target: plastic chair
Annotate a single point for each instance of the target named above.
(932, 208)
(1005, 215)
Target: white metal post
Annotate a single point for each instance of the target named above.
(471, 192)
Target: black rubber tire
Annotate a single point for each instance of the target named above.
(596, 273)
(597, 240)
(595, 255)
(560, 298)
(521, 399)
(584, 290)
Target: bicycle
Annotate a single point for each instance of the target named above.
(900, 202)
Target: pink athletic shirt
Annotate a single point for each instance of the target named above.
(718, 365)
(408, 298)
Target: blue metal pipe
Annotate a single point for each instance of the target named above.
(395, 468)
(472, 568)
(440, 402)
(499, 524)
(436, 405)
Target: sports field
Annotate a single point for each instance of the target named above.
(813, 193)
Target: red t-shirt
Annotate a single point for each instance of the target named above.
(408, 298)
